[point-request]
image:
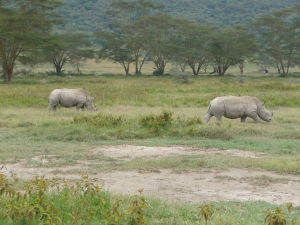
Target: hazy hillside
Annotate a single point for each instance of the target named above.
(89, 15)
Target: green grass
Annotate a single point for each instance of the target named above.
(131, 112)
(56, 202)
(219, 162)
(152, 91)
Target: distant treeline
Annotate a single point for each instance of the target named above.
(139, 32)
(90, 15)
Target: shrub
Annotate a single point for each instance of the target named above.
(158, 72)
(157, 122)
(58, 202)
(100, 120)
(206, 211)
(276, 217)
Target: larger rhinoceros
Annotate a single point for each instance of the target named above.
(234, 107)
(78, 98)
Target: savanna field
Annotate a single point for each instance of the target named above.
(68, 147)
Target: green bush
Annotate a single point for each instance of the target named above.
(157, 122)
(100, 120)
(56, 202)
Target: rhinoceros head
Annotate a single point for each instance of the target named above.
(264, 114)
(89, 103)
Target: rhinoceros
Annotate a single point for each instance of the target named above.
(234, 107)
(78, 98)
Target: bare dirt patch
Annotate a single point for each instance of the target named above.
(130, 152)
(195, 187)
(205, 186)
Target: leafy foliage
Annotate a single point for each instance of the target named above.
(62, 49)
(157, 122)
(116, 48)
(278, 38)
(100, 120)
(206, 212)
(60, 202)
(24, 27)
(275, 217)
(57, 202)
(90, 15)
(229, 47)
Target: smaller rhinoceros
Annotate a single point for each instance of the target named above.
(234, 107)
(78, 98)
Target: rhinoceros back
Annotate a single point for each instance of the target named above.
(68, 97)
(233, 106)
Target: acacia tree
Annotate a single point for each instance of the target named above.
(125, 14)
(24, 26)
(192, 41)
(279, 38)
(159, 37)
(67, 48)
(229, 47)
(135, 40)
(115, 47)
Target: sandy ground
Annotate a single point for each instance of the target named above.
(192, 187)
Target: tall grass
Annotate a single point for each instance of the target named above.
(145, 110)
(152, 91)
(57, 202)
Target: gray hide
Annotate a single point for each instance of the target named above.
(233, 107)
(78, 98)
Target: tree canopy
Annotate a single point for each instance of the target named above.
(90, 15)
(24, 27)
(278, 37)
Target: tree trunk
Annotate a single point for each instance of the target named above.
(198, 68)
(8, 73)
(282, 68)
(222, 70)
(78, 69)
(195, 70)
(160, 64)
(278, 69)
(58, 69)
(182, 67)
(241, 66)
(126, 67)
(139, 62)
(127, 70)
(137, 71)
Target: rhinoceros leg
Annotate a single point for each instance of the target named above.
(243, 119)
(219, 117)
(80, 106)
(51, 107)
(254, 116)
